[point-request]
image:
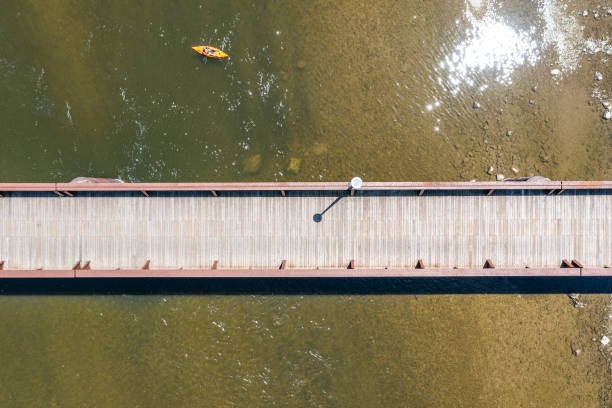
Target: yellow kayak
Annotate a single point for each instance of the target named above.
(210, 52)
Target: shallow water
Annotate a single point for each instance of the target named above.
(437, 90)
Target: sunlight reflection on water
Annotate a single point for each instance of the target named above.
(490, 44)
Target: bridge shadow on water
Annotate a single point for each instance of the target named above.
(306, 286)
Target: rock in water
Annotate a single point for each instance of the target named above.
(320, 148)
(294, 165)
(500, 177)
(252, 164)
(607, 115)
(301, 64)
(490, 170)
(514, 170)
(604, 340)
(598, 76)
(555, 71)
(475, 105)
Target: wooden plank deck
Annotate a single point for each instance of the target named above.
(258, 230)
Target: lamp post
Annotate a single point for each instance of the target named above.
(356, 183)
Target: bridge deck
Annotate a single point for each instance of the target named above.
(258, 229)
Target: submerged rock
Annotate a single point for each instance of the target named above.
(301, 64)
(252, 164)
(294, 165)
(320, 148)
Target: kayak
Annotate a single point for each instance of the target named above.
(210, 52)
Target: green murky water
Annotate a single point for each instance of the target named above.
(391, 90)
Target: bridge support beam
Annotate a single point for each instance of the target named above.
(566, 264)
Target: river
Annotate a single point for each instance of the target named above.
(387, 90)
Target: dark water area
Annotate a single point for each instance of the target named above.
(387, 90)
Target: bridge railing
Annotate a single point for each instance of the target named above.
(549, 186)
(306, 273)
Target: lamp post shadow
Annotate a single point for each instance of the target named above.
(318, 217)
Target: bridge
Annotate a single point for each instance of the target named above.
(102, 229)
